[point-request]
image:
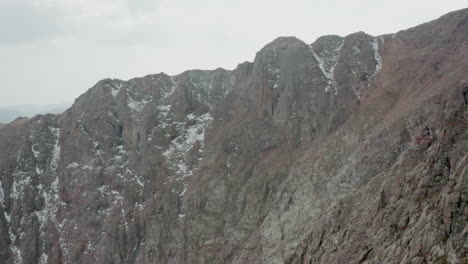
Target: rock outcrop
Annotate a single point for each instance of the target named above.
(348, 150)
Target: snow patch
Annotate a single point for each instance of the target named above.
(7, 217)
(119, 166)
(56, 150)
(328, 64)
(139, 206)
(377, 57)
(86, 167)
(2, 196)
(137, 106)
(35, 152)
(103, 189)
(180, 150)
(183, 192)
(21, 181)
(16, 254)
(73, 165)
(44, 258)
(272, 70)
(38, 170)
(139, 182)
(356, 50)
(163, 111)
(190, 136)
(115, 90)
(229, 159)
(51, 197)
(327, 74)
(171, 91)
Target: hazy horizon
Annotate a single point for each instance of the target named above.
(9, 113)
(53, 51)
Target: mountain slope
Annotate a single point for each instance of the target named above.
(349, 150)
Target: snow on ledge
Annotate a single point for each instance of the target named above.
(115, 90)
(137, 106)
(178, 154)
(331, 61)
(377, 57)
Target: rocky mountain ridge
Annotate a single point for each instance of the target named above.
(348, 150)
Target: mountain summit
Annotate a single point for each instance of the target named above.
(347, 150)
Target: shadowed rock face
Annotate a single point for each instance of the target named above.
(349, 150)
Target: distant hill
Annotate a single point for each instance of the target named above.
(11, 112)
(8, 115)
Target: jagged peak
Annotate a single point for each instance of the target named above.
(197, 72)
(282, 43)
(360, 35)
(327, 39)
(322, 47)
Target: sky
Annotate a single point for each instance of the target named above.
(51, 51)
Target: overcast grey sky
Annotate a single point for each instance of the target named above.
(52, 51)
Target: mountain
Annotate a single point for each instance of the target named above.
(11, 112)
(347, 150)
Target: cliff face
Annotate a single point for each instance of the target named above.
(349, 150)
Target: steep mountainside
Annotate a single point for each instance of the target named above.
(349, 150)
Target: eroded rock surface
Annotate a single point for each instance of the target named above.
(348, 150)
